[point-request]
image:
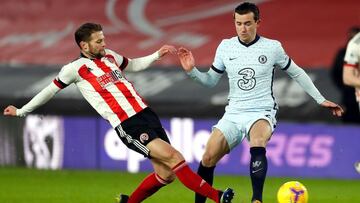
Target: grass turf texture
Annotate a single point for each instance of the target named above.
(19, 185)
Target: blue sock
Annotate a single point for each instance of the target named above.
(258, 169)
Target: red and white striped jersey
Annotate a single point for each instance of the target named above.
(352, 56)
(103, 85)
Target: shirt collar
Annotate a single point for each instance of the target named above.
(257, 37)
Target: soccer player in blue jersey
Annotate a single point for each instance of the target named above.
(249, 61)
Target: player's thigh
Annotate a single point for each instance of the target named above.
(260, 133)
(164, 152)
(216, 147)
(231, 131)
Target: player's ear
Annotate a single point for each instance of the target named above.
(84, 46)
(258, 22)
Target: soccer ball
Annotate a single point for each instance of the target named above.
(292, 192)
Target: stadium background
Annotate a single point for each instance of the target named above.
(36, 39)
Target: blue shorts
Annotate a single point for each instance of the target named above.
(236, 127)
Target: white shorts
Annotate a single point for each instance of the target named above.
(236, 127)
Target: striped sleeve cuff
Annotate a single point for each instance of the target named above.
(59, 83)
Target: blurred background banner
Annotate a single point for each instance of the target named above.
(11, 141)
(41, 31)
(295, 150)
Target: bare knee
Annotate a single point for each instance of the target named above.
(260, 133)
(164, 153)
(258, 142)
(208, 160)
(173, 157)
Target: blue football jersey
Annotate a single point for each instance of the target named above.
(250, 69)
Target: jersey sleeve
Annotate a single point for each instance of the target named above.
(66, 76)
(121, 61)
(282, 59)
(218, 63)
(352, 56)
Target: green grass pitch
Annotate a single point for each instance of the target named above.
(20, 185)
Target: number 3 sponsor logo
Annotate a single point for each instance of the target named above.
(247, 80)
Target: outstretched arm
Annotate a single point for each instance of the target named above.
(209, 79)
(142, 63)
(300, 76)
(41, 98)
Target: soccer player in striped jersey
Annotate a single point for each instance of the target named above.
(351, 71)
(351, 68)
(99, 75)
(249, 61)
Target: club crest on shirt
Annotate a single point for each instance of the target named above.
(262, 59)
(144, 137)
(108, 78)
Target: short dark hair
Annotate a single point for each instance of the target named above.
(84, 32)
(354, 29)
(248, 7)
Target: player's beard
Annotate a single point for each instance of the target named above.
(97, 55)
(100, 54)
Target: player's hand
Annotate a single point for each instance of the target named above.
(10, 111)
(186, 59)
(166, 49)
(335, 108)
